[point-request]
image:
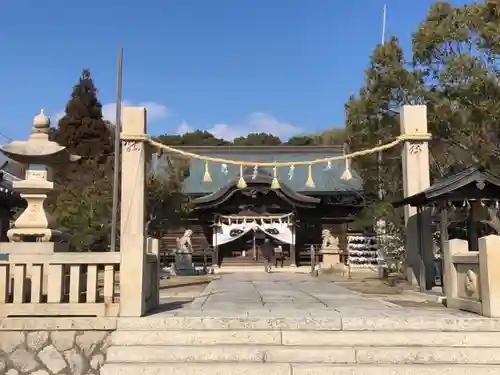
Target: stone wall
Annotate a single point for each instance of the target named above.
(57, 351)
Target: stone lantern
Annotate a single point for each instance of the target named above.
(39, 155)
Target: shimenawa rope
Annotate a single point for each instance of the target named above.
(416, 137)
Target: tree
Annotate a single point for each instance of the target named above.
(82, 129)
(83, 206)
(301, 140)
(373, 117)
(195, 138)
(257, 139)
(457, 50)
(455, 72)
(333, 136)
(166, 205)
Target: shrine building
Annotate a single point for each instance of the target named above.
(231, 220)
(10, 199)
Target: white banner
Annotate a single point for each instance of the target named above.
(223, 233)
(280, 231)
(284, 231)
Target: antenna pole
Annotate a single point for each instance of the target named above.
(116, 172)
(384, 20)
(379, 154)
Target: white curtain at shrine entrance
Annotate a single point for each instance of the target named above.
(279, 229)
(222, 234)
(285, 233)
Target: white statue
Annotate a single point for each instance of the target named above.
(184, 243)
(329, 249)
(330, 242)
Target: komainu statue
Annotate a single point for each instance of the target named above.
(330, 249)
(184, 243)
(330, 242)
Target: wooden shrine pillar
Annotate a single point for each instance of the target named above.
(215, 245)
(445, 255)
(476, 213)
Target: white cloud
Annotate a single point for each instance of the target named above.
(184, 128)
(257, 122)
(56, 117)
(156, 111)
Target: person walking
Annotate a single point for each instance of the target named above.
(267, 250)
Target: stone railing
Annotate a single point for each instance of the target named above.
(59, 284)
(472, 280)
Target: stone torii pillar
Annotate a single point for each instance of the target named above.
(133, 215)
(416, 178)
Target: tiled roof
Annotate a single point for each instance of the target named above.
(12, 171)
(326, 177)
(452, 188)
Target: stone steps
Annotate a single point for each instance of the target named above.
(306, 338)
(292, 369)
(375, 355)
(370, 345)
(252, 268)
(329, 321)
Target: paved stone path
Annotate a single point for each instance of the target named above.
(294, 295)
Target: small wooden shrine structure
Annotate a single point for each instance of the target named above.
(473, 190)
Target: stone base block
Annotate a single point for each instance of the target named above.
(330, 259)
(33, 247)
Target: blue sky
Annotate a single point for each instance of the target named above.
(232, 66)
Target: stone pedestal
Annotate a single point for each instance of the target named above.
(35, 223)
(184, 264)
(330, 258)
(39, 248)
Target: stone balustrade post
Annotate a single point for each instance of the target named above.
(489, 277)
(451, 248)
(133, 215)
